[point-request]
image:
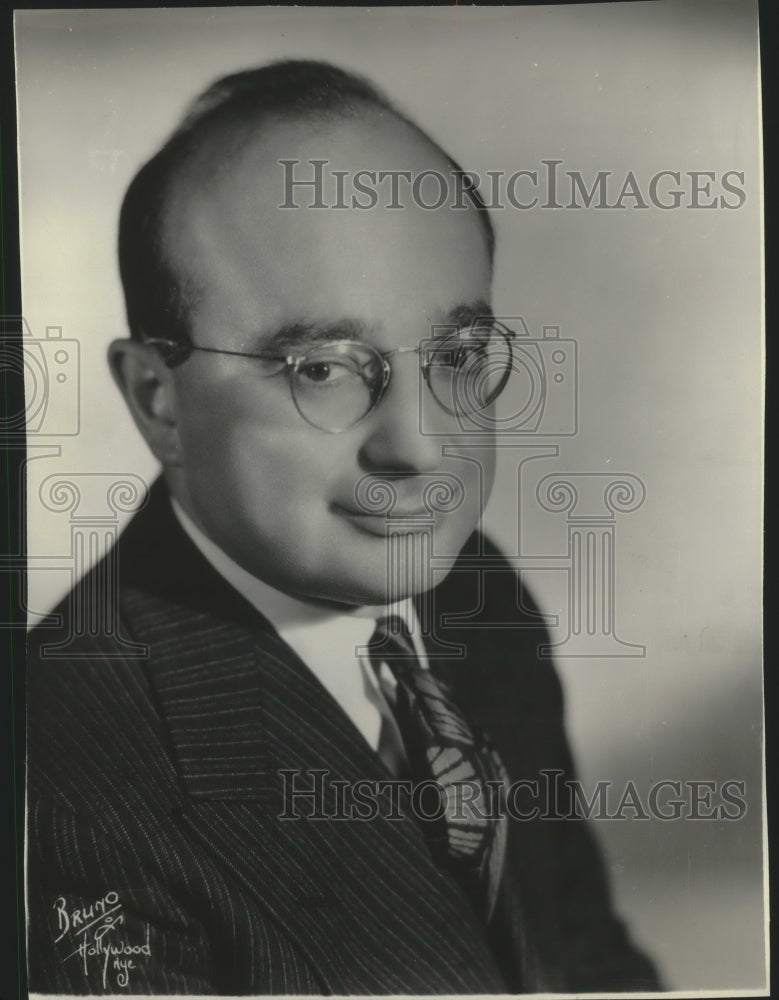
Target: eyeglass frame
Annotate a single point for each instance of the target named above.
(177, 352)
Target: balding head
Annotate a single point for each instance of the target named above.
(251, 110)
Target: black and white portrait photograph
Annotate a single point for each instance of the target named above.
(393, 438)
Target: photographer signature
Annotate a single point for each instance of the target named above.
(97, 931)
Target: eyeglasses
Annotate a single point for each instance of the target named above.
(337, 384)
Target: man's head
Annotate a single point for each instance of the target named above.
(208, 258)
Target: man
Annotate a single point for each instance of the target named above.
(299, 583)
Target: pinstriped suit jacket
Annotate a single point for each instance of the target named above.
(154, 796)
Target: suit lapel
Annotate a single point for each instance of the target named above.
(362, 899)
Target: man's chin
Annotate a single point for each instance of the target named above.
(408, 575)
(362, 569)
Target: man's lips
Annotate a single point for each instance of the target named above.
(409, 519)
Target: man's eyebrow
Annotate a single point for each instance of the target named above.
(299, 332)
(467, 313)
(303, 332)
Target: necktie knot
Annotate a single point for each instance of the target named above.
(392, 644)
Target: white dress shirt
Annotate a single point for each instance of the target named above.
(326, 640)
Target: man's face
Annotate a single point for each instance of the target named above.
(277, 494)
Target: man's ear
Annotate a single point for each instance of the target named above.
(148, 388)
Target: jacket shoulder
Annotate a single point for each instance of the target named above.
(92, 722)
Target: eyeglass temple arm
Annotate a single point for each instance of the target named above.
(175, 352)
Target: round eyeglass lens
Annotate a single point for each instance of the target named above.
(335, 385)
(467, 370)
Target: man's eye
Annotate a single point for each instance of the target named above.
(325, 372)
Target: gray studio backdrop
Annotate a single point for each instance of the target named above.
(663, 306)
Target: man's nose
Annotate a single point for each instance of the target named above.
(395, 441)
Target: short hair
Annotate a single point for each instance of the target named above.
(156, 296)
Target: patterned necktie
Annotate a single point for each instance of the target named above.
(470, 837)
